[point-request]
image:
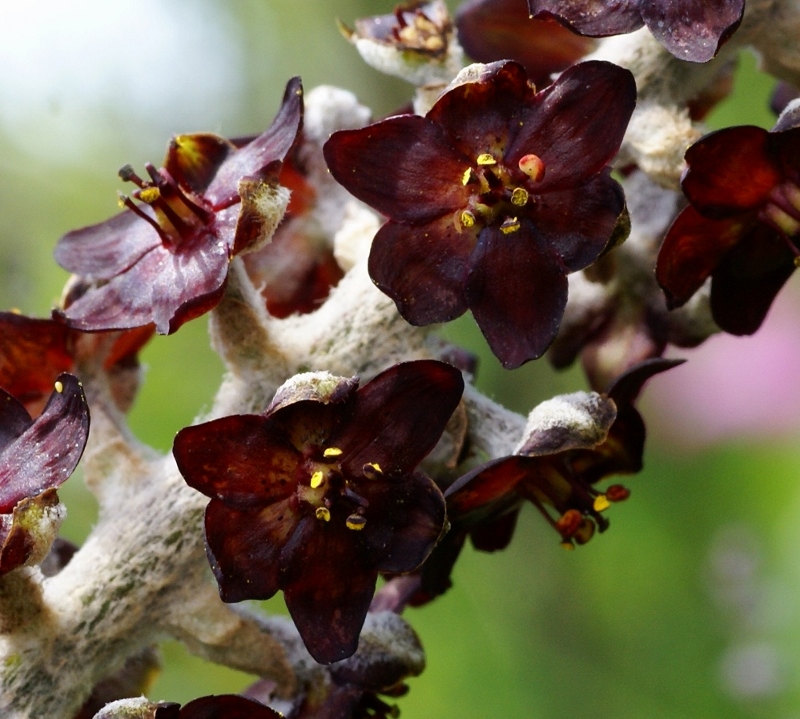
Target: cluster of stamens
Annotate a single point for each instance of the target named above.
(496, 193)
(177, 216)
(328, 484)
(581, 514)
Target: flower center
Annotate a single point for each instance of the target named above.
(332, 493)
(499, 196)
(176, 216)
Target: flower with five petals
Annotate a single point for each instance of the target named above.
(320, 494)
(493, 197)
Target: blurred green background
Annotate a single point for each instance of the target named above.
(687, 607)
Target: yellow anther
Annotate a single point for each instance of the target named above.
(467, 218)
(532, 166)
(59, 387)
(316, 479)
(569, 546)
(149, 194)
(486, 159)
(467, 176)
(332, 452)
(372, 469)
(510, 225)
(796, 261)
(356, 522)
(601, 503)
(16, 311)
(323, 513)
(519, 197)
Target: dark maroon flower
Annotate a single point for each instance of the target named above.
(165, 259)
(493, 198)
(36, 457)
(742, 227)
(320, 493)
(419, 27)
(691, 30)
(33, 352)
(557, 469)
(491, 30)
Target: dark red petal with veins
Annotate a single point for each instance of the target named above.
(272, 145)
(477, 115)
(404, 520)
(747, 280)
(517, 292)
(489, 485)
(578, 223)
(328, 584)
(48, 451)
(692, 29)
(423, 268)
(102, 251)
(491, 30)
(404, 167)
(692, 250)
(596, 18)
(227, 706)
(164, 288)
(193, 160)
(731, 171)
(244, 547)
(33, 352)
(244, 460)
(576, 124)
(399, 417)
(14, 419)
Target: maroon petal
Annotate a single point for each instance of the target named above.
(244, 548)
(272, 145)
(577, 124)
(227, 706)
(731, 171)
(164, 288)
(404, 520)
(596, 18)
(101, 251)
(494, 535)
(517, 292)
(14, 419)
(491, 30)
(423, 268)
(692, 29)
(747, 280)
(693, 248)
(404, 167)
(578, 223)
(485, 488)
(626, 388)
(48, 451)
(193, 160)
(33, 352)
(477, 115)
(328, 585)
(242, 460)
(399, 417)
